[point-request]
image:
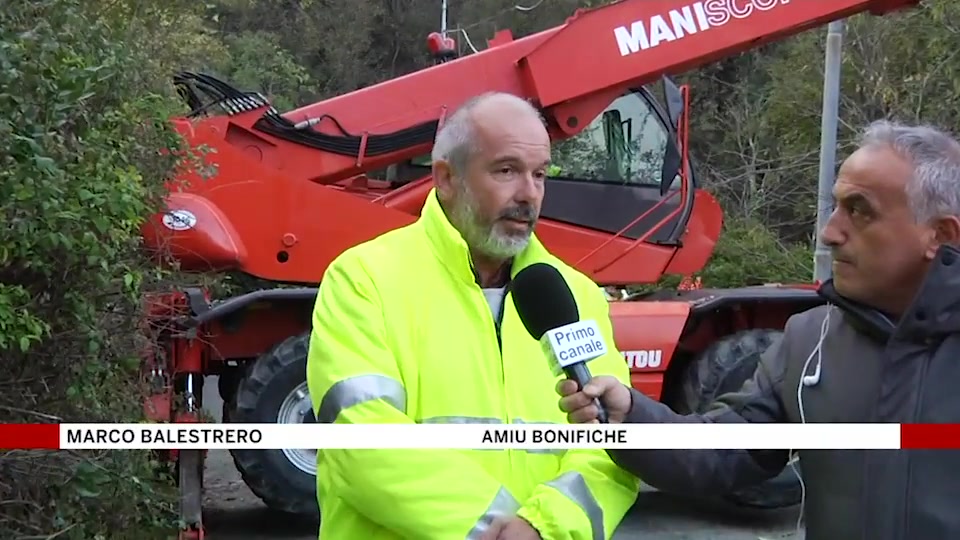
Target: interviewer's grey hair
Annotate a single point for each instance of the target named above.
(455, 142)
(934, 190)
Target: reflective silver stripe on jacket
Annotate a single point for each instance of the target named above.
(360, 389)
(503, 505)
(490, 421)
(460, 420)
(473, 420)
(574, 487)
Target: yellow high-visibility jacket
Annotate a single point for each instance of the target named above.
(402, 333)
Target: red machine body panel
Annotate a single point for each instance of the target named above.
(648, 333)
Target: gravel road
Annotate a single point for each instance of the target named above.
(232, 512)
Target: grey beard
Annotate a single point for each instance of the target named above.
(483, 239)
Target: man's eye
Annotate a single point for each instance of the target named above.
(861, 214)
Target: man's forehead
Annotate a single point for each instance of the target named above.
(532, 153)
(497, 127)
(876, 171)
(517, 140)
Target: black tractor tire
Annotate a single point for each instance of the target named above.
(270, 474)
(723, 367)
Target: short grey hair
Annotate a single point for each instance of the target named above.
(934, 190)
(456, 139)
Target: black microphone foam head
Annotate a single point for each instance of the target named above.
(543, 299)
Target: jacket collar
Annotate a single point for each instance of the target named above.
(864, 319)
(452, 251)
(935, 311)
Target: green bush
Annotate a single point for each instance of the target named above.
(80, 143)
(749, 253)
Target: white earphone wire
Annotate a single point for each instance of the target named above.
(809, 380)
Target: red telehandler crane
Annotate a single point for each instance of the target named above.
(294, 190)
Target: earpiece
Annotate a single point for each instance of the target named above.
(814, 378)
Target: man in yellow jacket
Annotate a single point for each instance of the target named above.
(417, 326)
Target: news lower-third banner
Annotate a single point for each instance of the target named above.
(479, 436)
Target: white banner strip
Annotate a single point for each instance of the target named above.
(480, 436)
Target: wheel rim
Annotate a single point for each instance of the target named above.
(298, 409)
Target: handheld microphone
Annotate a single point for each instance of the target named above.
(549, 312)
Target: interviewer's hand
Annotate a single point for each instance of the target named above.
(579, 405)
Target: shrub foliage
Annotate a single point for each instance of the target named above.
(81, 140)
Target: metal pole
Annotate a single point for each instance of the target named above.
(443, 18)
(822, 260)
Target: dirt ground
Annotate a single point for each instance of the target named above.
(232, 512)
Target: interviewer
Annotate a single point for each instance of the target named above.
(886, 348)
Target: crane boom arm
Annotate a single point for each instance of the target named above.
(572, 72)
(635, 42)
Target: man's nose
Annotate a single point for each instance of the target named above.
(833, 233)
(529, 189)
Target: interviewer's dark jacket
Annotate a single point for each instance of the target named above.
(873, 370)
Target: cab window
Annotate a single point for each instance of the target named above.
(625, 144)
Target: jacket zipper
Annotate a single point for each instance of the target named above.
(918, 409)
(497, 325)
(499, 318)
(497, 321)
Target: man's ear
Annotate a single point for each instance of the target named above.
(946, 230)
(443, 179)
